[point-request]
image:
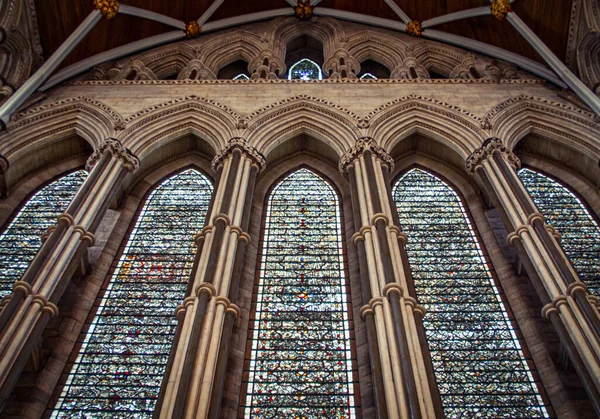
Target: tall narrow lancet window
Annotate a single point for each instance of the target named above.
(22, 238)
(122, 357)
(300, 363)
(580, 232)
(480, 365)
(305, 69)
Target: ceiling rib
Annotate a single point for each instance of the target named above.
(451, 17)
(401, 14)
(209, 12)
(147, 14)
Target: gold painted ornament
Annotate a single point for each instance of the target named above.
(192, 29)
(500, 8)
(108, 8)
(414, 28)
(303, 10)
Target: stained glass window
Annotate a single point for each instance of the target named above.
(122, 357)
(479, 364)
(305, 69)
(241, 76)
(23, 237)
(580, 233)
(301, 361)
(368, 76)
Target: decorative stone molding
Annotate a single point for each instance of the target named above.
(489, 146)
(134, 70)
(363, 144)
(500, 8)
(196, 70)
(4, 165)
(341, 65)
(108, 8)
(239, 144)
(266, 66)
(410, 68)
(115, 147)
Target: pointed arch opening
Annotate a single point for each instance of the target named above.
(301, 360)
(373, 69)
(305, 69)
(567, 213)
(480, 362)
(119, 361)
(22, 237)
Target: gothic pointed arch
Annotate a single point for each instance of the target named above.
(381, 48)
(225, 49)
(302, 302)
(121, 358)
(471, 336)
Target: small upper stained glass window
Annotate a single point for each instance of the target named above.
(368, 76)
(241, 76)
(305, 69)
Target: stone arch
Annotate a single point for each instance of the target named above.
(439, 58)
(588, 61)
(17, 61)
(153, 128)
(382, 48)
(570, 126)
(274, 124)
(219, 51)
(444, 123)
(167, 60)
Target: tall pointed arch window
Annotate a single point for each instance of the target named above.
(22, 238)
(122, 358)
(580, 232)
(480, 365)
(305, 69)
(300, 363)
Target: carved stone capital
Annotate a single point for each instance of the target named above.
(362, 145)
(115, 147)
(239, 144)
(489, 146)
(108, 8)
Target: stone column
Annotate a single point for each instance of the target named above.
(195, 374)
(33, 300)
(267, 66)
(402, 371)
(568, 305)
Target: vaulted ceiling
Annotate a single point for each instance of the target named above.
(57, 19)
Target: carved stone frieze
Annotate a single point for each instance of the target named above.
(363, 144)
(239, 144)
(115, 147)
(489, 146)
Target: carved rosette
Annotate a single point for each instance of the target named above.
(115, 147)
(363, 144)
(303, 10)
(108, 8)
(489, 146)
(192, 29)
(239, 144)
(500, 8)
(414, 28)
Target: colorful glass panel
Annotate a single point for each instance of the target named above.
(368, 76)
(120, 366)
(23, 237)
(241, 76)
(305, 69)
(301, 364)
(480, 367)
(580, 233)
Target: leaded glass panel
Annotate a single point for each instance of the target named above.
(23, 237)
(580, 232)
(120, 366)
(479, 364)
(305, 69)
(301, 363)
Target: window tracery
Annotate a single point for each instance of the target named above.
(580, 232)
(301, 360)
(22, 238)
(480, 366)
(305, 69)
(123, 355)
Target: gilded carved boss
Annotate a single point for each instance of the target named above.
(108, 8)
(500, 8)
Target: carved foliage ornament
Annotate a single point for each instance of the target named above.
(489, 146)
(240, 144)
(362, 145)
(108, 8)
(303, 10)
(115, 147)
(500, 8)
(414, 28)
(192, 29)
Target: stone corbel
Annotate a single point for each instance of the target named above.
(239, 144)
(490, 146)
(116, 149)
(362, 145)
